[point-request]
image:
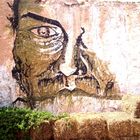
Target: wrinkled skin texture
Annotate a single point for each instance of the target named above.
(41, 66)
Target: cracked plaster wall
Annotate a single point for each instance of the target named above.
(116, 37)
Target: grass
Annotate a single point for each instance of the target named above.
(14, 120)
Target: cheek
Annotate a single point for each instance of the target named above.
(28, 54)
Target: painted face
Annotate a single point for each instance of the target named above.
(53, 54)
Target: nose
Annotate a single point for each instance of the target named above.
(68, 66)
(74, 62)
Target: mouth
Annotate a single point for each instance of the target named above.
(74, 92)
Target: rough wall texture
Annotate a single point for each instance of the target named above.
(113, 34)
(7, 83)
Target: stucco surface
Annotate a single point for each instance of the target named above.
(113, 34)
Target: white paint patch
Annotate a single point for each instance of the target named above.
(7, 87)
(69, 49)
(85, 62)
(52, 50)
(66, 69)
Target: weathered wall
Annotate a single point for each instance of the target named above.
(117, 38)
(113, 35)
(7, 83)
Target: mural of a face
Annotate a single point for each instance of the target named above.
(51, 57)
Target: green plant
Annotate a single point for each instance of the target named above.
(16, 120)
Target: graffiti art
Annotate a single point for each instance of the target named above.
(48, 64)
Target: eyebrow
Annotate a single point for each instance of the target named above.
(47, 20)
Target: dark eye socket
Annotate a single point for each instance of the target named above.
(44, 31)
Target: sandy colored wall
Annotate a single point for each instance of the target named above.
(7, 83)
(116, 37)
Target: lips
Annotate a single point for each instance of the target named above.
(74, 92)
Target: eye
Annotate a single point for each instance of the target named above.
(44, 31)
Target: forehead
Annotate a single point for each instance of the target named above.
(70, 13)
(98, 18)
